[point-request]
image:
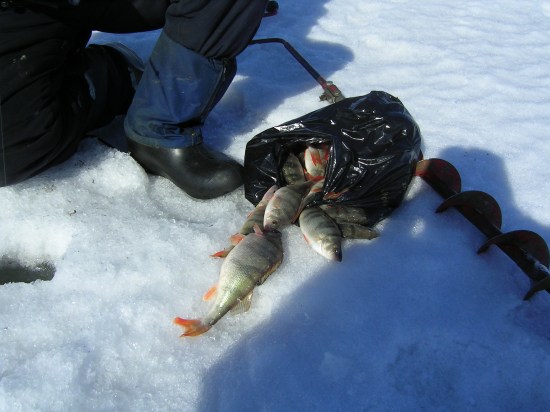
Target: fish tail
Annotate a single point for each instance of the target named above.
(192, 327)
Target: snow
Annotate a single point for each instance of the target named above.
(413, 320)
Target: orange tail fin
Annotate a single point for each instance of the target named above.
(192, 327)
(221, 253)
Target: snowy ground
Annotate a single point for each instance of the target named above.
(413, 320)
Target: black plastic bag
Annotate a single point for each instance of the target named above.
(374, 147)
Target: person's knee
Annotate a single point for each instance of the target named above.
(220, 29)
(152, 11)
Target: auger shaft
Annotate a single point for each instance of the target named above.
(331, 93)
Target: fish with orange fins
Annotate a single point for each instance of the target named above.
(321, 233)
(249, 264)
(285, 205)
(315, 161)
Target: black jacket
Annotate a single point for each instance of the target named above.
(4, 4)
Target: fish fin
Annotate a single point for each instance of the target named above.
(331, 195)
(315, 156)
(236, 238)
(264, 278)
(269, 194)
(210, 293)
(222, 253)
(316, 188)
(257, 229)
(334, 195)
(192, 327)
(313, 178)
(242, 305)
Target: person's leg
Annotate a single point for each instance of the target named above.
(215, 29)
(53, 89)
(190, 68)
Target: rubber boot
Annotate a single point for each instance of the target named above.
(177, 91)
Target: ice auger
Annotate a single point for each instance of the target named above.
(526, 248)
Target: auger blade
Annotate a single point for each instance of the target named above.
(441, 175)
(482, 202)
(544, 284)
(528, 241)
(527, 249)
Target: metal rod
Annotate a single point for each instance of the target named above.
(331, 92)
(314, 73)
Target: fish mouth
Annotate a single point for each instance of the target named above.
(271, 226)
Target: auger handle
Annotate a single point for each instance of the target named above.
(331, 92)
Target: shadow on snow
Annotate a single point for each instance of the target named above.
(404, 320)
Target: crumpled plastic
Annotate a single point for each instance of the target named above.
(374, 147)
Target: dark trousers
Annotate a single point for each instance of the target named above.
(47, 72)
